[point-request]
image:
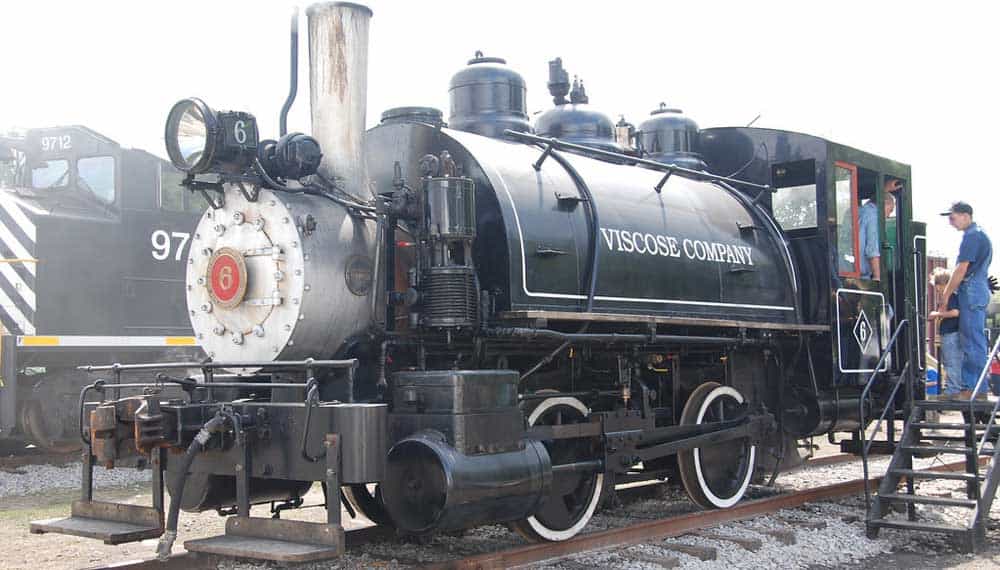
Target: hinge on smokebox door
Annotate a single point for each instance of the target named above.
(274, 252)
(273, 301)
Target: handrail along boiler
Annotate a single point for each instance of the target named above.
(507, 319)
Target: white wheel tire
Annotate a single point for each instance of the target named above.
(712, 498)
(540, 529)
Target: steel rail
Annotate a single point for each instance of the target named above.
(552, 552)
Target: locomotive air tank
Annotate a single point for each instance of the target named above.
(285, 275)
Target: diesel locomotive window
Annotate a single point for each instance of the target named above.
(794, 200)
(50, 174)
(845, 180)
(97, 174)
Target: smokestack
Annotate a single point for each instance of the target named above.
(338, 90)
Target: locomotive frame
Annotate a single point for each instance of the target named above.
(518, 363)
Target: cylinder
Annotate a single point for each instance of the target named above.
(430, 486)
(338, 87)
(807, 414)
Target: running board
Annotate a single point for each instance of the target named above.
(113, 523)
(277, 540)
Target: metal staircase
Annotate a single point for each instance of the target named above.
(973, 438)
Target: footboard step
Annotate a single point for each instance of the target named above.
(113, 523)
(276, 540)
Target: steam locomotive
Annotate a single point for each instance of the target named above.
(72, 200)
(493, 321)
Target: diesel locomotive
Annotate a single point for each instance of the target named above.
(489, 320)
(93, 237)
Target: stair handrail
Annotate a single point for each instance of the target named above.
(866, 446)
(975, 391)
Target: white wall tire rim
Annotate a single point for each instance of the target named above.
(720, 502)
(536, 525)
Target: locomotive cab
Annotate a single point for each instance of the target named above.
(839, 207)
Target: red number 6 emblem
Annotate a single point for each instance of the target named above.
(227, 277)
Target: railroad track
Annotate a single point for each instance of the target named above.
(12, 458)
(547, 553)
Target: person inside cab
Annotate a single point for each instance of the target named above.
(869, 244)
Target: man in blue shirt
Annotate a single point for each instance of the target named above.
(971, 279)
(868, 240)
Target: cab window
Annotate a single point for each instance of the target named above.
(794, 200)
(845, 180)
(50, 174)
(96, 174)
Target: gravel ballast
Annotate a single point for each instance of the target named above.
(35, 479)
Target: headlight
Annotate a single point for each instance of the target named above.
(200, 139)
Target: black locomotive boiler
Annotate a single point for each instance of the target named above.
(92, 239)
(489, 321)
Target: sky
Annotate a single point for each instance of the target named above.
(911, 81)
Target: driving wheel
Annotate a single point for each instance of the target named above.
(573, 496)
(716, 476)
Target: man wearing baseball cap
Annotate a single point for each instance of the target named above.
(971, 279)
